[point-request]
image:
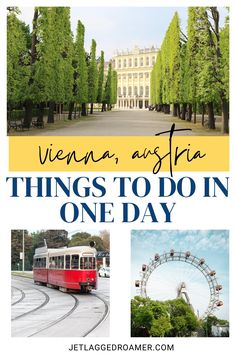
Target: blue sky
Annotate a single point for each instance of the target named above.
(119, 28)
(212, 245)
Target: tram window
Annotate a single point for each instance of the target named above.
(60, 262)
(52, 265)
(87, 263)
(75, 261)
(67, 261)
(56, 262)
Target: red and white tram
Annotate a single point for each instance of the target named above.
(66, 268)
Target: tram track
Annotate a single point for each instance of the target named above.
(44, 303)
(21, 298)
(105, 315)
(60, 319)
(51, 326)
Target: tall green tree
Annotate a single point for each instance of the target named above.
(17, 249)
(107, 94)
(174, 48)
(100, 78)
(82, 80)
(17, 59)
(113, 87)
(92, 77)
(53, 72)
(224, 74)
(208, 88)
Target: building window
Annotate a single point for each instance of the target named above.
(135, 90)
(130, 76)
(124, 76)
(135, 75)
(119, 91)
(147, 75)
(130, 91)
(119, 63)
(124, 63)
(141, 91)
(146, 91)
(141, 61)
(130, 62)
(124, 91)
(136, 62)
(147, 61)
(153, 60)
(119, 77)
(141, 75)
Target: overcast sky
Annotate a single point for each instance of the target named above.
(119, 28)
(212, 245)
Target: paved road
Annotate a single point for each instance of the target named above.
(38, 311)
(124, 123)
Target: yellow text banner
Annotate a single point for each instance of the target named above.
(129, 153)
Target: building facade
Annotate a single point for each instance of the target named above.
(134, 73)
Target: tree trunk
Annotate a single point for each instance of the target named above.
(211, 118)
(91, 108)
(51, 112)
(184, 110)
(194, 113)
(203, 114)
(225, 116)
(190, 112)
(167, 109)
(71, 108)
(178, 110)
(40, 113)
(83, 110)
(175, 108)
(28, 113)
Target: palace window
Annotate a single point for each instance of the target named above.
(141, 75)
(135, 90)
(119, 91)
(136, 62)
(119, 63)
(146, 91)
(130, 91)
(130, 62)
(124, 91)
(146, 75)
(153, 60)
(124, 63)
(141, 91)
(141, 61)
(147, 61)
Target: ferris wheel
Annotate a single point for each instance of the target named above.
(199, 263)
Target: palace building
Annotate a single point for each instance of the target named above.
(134, 73)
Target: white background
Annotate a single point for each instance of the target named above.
(13, 216)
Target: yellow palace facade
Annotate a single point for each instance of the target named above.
(133, 73)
